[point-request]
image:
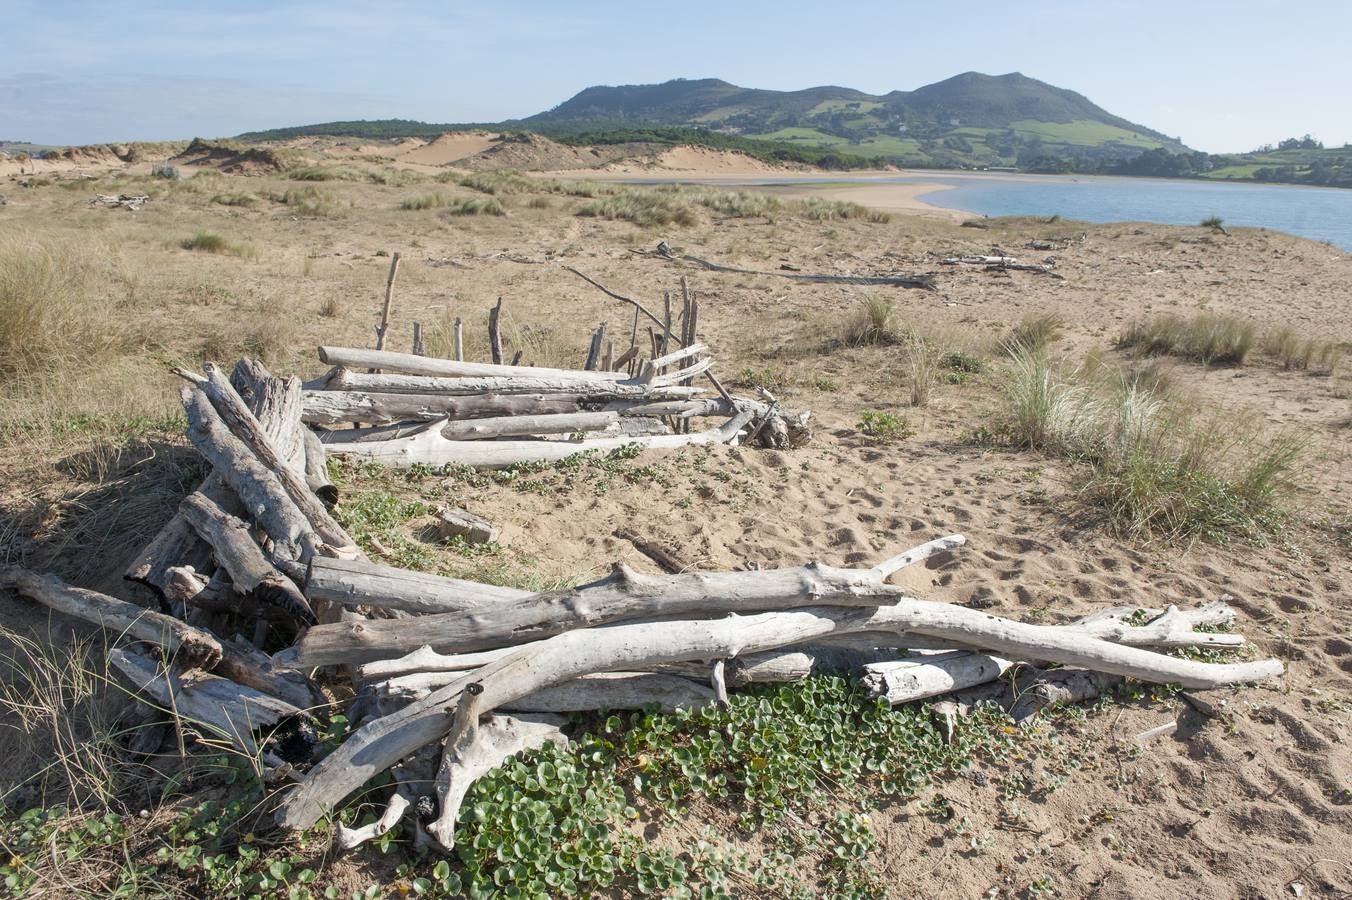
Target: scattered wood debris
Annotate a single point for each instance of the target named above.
(126, 201)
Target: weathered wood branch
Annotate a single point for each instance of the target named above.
(242, 423)
(624, 594)
(264, 497)
(924, 282)
(607, 690)
(250, 720)
(430, 448)
(407, 363)
(484, 747)
(191, 646)
(586, 383)
(316, 468)
(380, 743)
(519, 426)
(352, 583)
(236, 551)
(335, 407)
(915, 678)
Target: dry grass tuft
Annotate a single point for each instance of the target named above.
(1304, 354)
(1034, 333)
(50, 308)
(645, 209)
(874, 321)
(1158, 465)
(1207, 338)
(475, 206)
(211, 242)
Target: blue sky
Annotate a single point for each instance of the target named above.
(1221, 75)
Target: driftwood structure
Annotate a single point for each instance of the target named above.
(434, 665)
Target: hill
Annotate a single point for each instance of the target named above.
(970, 119)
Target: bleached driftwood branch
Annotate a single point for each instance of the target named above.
(430, 448)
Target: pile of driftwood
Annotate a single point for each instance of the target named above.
(443, 679)
(125, 201)
(403, 409)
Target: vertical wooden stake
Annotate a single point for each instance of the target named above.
(418, 349)
(494, 335)
(607, 356)
(666, 323)
(389, 299)
(459, 341)
(594, 351)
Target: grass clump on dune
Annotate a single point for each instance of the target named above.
(1157, 465)
(49, 309)
(425, 201)
(1207, 338)
(311, 202)
(1305, 354)
(211, 242)
(819, 210)
(874, 321)
(235, 199)
(741, 204)
(643, 208)
(476, 206)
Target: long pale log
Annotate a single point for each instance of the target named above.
(335, 407)
(233, 711)
(586, 383)
(191, 646)
(241, 421)
(430, 448)
(486, 745)
(904, 680)
(377, 745)
(352, 583)
(235, 549)
(517, 426)
(624, 594)
(266, 501)
(608, 690)
(316, 468)
(407, 363)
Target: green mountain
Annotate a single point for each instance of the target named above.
(970, 119)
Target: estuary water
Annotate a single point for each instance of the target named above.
(1322, 214)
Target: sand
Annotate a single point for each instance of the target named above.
(1236, 808)
(448, 148)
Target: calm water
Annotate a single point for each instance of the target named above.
(1323, 214)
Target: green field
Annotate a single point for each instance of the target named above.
(1082, 132)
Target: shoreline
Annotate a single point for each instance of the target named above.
(888, 196)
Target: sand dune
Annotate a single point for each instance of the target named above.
(447, 148)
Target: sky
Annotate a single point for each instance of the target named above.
(1223, 76)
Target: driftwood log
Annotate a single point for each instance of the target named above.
(624, 594)
(250, 571)
(248, 719)
(191, 646)
(430, 448)
(585, 383)
(337, 407)
(380, 743)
